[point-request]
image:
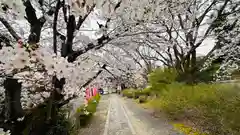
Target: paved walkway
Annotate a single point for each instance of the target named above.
(127, 118)
(118, 122)
(116, 116)
(145, 123)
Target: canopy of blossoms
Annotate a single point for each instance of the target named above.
(76, 40)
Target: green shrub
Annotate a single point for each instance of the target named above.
(137, 94)
(97, 97)
(128, 93)
(208, 74)
(160, 78)
(92, 106)
(37, 123)
(146, 91)
(142, 99)
(80, 117)
(62, 125)
(84, 113)
(214, 107)
(132, 93)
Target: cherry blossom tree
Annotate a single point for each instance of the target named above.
(176, 29)
(227, 45)
(34, 75)
(47, 59)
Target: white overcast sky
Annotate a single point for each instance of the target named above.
(206, 46)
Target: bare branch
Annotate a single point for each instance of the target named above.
(4, 40)
(94, 77)
(35, 23)
(101, 42)
(58, 6)
(81, 20)
(209, 29)
(10, 29)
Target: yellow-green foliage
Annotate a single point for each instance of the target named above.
(92, 106)
(214, 107)
(97, 97)
(160, 77)
(186, 130)
(92, 103)
(146, 91)
(132, 93)
(80, 109)
(142, 99)
(128, 93)
(84, 113)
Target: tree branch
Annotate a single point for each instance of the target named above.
(128, 53)
(94, 77)
(35, 23)
(81, 20)
(101, 42)
(58, 6)
(110, 73)
(4, 40)
(209, 29)
(10, 29)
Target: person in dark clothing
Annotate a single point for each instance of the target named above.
(123, 86)
(100, 91)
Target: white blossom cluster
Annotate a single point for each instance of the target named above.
(4, 133)
(80, 7)
(17, 6)
(225, 71)
(139, 80)
(24, 66)
(35, 70)
(229, 50)
(231, 62)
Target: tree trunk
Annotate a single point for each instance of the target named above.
(71, 27)
(36, 24)
(193, 59)
(13, 108)
(193, 69)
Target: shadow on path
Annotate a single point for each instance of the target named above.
(144, 123)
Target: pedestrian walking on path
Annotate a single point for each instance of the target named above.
(119, 89)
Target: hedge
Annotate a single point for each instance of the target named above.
(85, 112)
(212, 107)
